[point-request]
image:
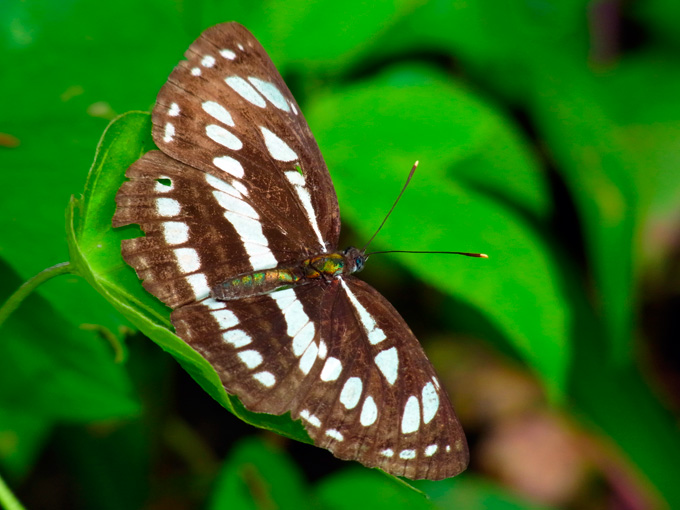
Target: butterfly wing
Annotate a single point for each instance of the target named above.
(359, 381)
(227, 110)
(238, 175)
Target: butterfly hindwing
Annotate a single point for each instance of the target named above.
(359, 381)
(389, 407)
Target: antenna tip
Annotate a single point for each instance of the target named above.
(416, 164)
(483, 256)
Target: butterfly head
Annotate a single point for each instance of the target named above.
(355, 259)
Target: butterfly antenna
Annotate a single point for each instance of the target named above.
(408, 180)
(467, 254)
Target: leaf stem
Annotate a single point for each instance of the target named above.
(29, 286)
(8, 501)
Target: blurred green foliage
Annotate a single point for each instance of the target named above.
(547, 133)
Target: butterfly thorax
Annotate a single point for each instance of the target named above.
(324, 267)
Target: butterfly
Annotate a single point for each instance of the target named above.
(241, 226)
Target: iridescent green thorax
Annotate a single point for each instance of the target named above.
(324, 267)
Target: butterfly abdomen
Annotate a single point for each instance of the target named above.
(256, 283)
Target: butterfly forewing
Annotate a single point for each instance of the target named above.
(227, 111)
(240, 185)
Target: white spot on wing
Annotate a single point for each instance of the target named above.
(229, 165)
(430, 402)
(387, 452)
(351, 392)
(310, 418)
(240, 187)
(407, 454)
(298, 182)
(369, 412)
(278, 149)
(303, 338)
(199, 285)
(167, 206)
(296, 318)
(411, 419)
(173, 111)
(254, 241)
(295, 178)
(375, 334)
(323, 350)
(196, 71)
(169, 132)
(265, 378)
(246, 91)
(335, 434)
(218, 112)
(236, 337)
(284, 298)
(271, 92)
(308, 358)
(213, 304)
(208, 61)
(233, 204)
(430, 450)
(331, 370)
(220, 135)
(223, 186)
(388, 363)
(228, 54)
(175, 232)
(250, 358)
(226, 319)
(188, 260)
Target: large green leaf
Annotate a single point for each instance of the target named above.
(353, 488)
(470, 158)
(87, 60)
(259, 475)
(52, 373)
(602, 182)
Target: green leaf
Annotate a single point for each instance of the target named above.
(259, 475)
(494, 45)
(85, 58)
(22, 436)
(460, 199)
(603, 185)
(358, 488)
(472, 493)
(290, 30)
(51, 373)
(95, 251)
(109, 463)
